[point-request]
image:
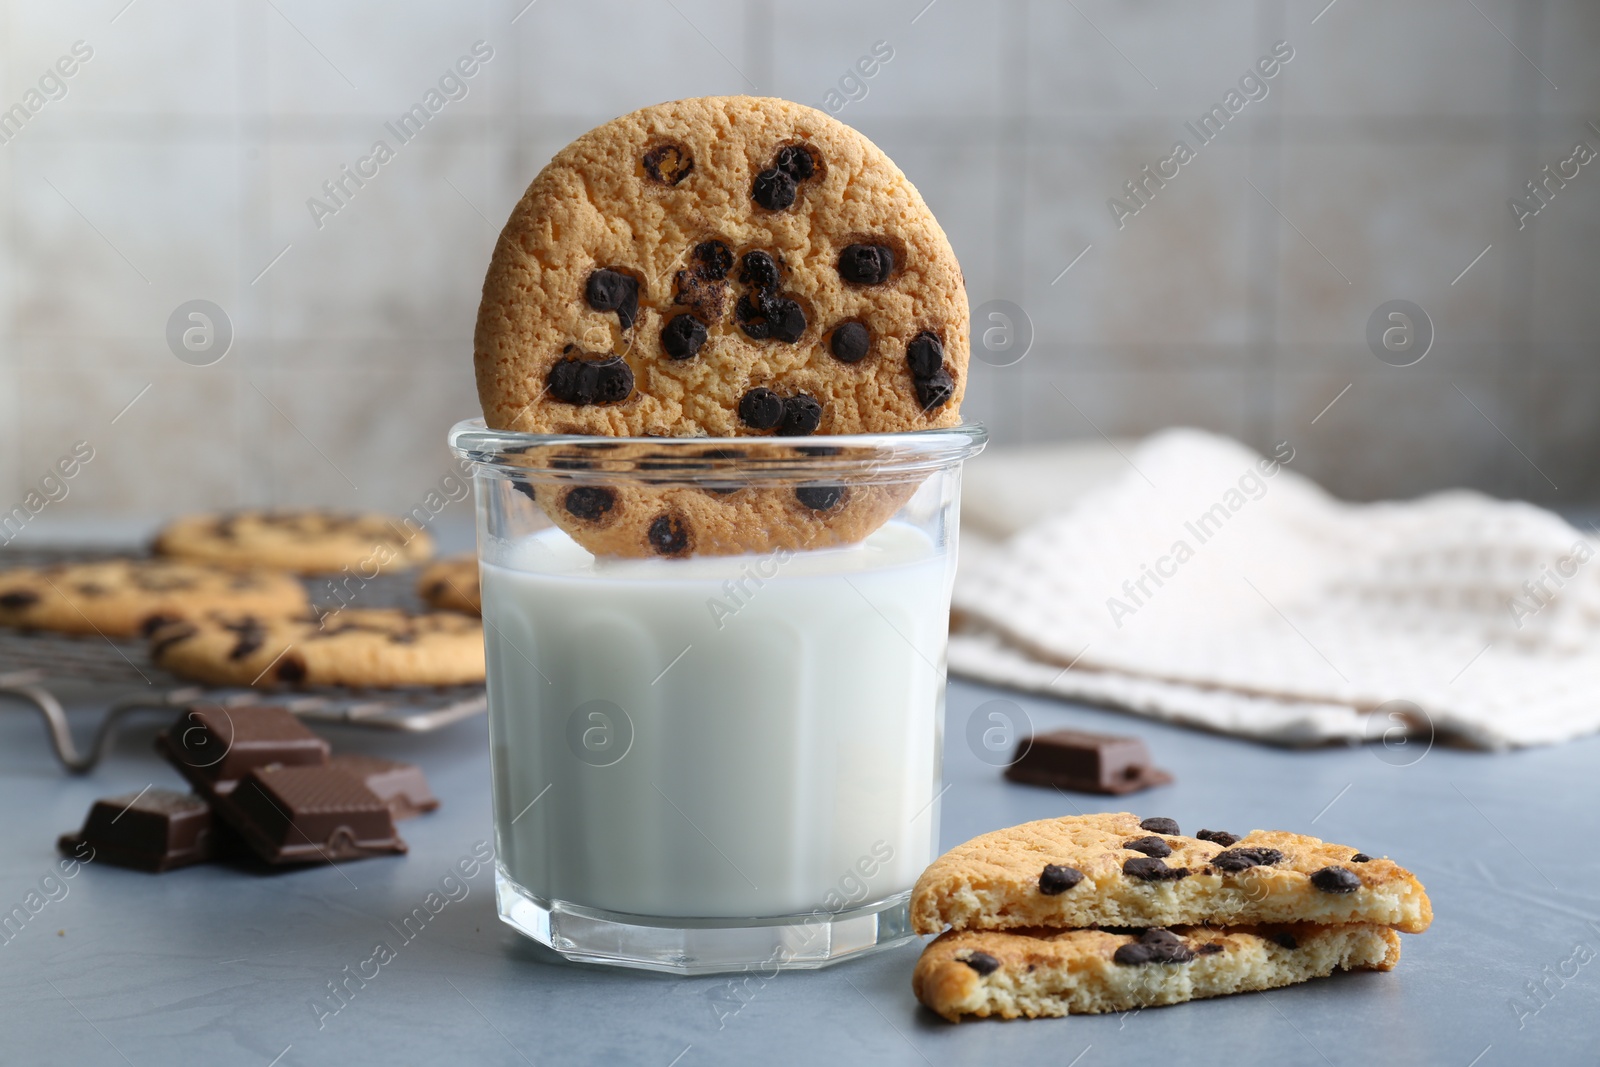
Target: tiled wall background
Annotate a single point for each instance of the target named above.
(178, 165)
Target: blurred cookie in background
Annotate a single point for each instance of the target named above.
(125, 597)
(451, 584)
(305, 542)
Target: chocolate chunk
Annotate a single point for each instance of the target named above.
(714, 260)
(819, 497)
(590, 381)
(1234, 860)
(759, 270)
(1154, 946)
(151, 623)
(796, 161)
(766, 315)
(752, 318)
(165, 636)
(786, 321)
(1160, 826)
(91, 589)
(1056, 879)
(801, 416)
(610, 290)
(866, 264)
(761, 409)
(1208, 948)
(214, 747)
(925, 355)
(402, 786)
(309, 815)
(668, 164)
(1361, 857)
(1151, 869)
(1285, 939)
(589, 502)
(981, 962)
(669, 535)
(849, 342)
(934, 392)
(17, 599)
(1336, 880)
(153, 830)
(291, 669)
(1221, 837)
(1085, 763)
(773, 189)
(682, 336)
(1150, 846)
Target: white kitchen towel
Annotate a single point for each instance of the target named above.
(1216, 587)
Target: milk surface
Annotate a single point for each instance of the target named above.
(725, 737)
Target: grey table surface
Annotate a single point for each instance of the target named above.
(216, 966)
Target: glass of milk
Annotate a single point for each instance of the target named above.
(718, 759)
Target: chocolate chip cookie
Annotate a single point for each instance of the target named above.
(451, 585)
(378, 647)
(722, 266)
(123, 597)
(1051, 973)
(692, 501)
(1115, 870)
(305, 542)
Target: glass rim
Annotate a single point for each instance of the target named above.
(878, 456)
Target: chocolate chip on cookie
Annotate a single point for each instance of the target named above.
(819, 497)
(849, 342)
(761, 409)
(773, 189)
(682, 336)
(1157, 825)
(1221, 837)
(17, 599)
(590, 381)
(758, 270)
(863, 264)
(669, 535)
(1151, 869)
(589, 502)
(1336, 880)
(1234, 860)
(1150, 846)
(1056, 878)
(1154, 946)
(1361, 857)
(668, 163)
(611, 290)
(981, 962)
(801, 416)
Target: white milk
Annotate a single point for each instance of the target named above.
(785, 762)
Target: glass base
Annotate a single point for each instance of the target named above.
(705, 946)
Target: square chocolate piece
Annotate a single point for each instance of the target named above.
(155, 830)
(214, 746)
(309, 815)
(402, 786)
(1081, 762)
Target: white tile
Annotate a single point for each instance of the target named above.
(1176, 272)
(1418, 58)
(601, 59)
(405, 254)
(952, 62)
(116, 234)
(376, 59)
(1106, 61)
(1365, 223)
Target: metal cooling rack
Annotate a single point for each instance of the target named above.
(48, 671)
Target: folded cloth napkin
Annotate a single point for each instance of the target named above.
(1217, 587)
